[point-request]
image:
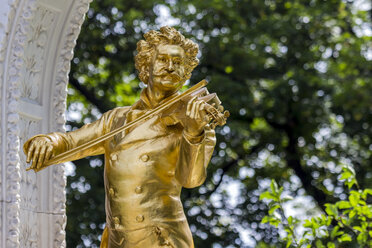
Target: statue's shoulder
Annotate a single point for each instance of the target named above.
(115, 117)
(117, 113)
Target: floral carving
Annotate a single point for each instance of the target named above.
(29, 190)
(29, 233)
(34, 57)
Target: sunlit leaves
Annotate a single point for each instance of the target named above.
(343, 222)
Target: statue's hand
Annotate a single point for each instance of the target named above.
(196, 117)
(39, 151)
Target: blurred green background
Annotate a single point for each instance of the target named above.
(296, 77)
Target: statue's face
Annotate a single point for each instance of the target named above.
(168, 70)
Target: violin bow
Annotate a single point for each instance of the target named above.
(70, 153)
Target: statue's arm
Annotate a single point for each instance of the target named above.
(196, 145)
(43, 147)
(195, 154)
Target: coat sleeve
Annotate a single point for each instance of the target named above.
(195, 154)
(65, 141)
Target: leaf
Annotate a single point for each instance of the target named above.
(351, 183)
(335, 232)
(269, 196)
(343, 204)
(290, 220)
(346, 175)
(352, 214)
(265, 219)
(348, 168)
(287, 198)
(331, 245)
(308, 224)
(275, 222)
(345, 238)
(273, 208)
(331, 209)
(274, 187)
(319, 244)
(289, 242)
(358, 228)
(367, 191)
(354, 199)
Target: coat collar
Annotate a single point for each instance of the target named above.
(144, 102)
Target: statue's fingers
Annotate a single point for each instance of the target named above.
(190, 105)
(202, 106)
(41, 157)
(35, 156)
(201, 110)
(193, 110)
(49, 152)
(30, 152)
(198, 112)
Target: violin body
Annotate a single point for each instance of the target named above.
(215, 111)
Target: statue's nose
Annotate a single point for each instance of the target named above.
(170, 66)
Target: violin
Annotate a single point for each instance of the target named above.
(215, 111)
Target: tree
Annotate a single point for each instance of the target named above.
(295, 76)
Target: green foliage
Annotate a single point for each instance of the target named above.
(295, 76)
(344, 223)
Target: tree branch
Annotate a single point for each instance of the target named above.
(102, 104)
(294, 162)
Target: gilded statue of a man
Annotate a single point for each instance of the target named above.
(147, 165)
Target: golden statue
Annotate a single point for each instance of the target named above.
(152, 149)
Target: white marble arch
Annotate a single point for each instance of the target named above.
(37, 38)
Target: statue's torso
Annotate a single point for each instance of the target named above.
(142, 193)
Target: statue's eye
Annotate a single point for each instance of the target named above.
(177, 62)
(162, 59)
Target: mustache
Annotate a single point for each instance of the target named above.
(172, 75)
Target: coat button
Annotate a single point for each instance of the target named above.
(145, 158)
(111, 192)
(114, 157)
(170, 173)
(140, 218)
(138, 190)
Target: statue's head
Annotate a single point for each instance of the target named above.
(166, 57)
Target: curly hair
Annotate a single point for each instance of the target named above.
(169, 36)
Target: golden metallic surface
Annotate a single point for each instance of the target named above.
(148, 162)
